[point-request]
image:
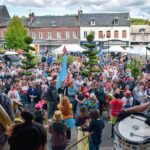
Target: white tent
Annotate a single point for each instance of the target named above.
(115, 49)
(69, 48)
(138, 50)
(10, 53)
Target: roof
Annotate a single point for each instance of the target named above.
(57, 21)
(105, 19)
(4, 12)
(137, 28)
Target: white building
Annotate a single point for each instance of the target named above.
(109, 29)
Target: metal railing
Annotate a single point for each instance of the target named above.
(75, 143)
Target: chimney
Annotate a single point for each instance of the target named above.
(31, 16)
(79, 13)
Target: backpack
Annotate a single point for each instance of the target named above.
(58, 140)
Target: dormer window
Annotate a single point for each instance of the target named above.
(142, 30)
(92, 22)
(116, 21)
(53, 23)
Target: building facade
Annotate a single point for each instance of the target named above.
(109, 29)
(140, 34)
(49, 32)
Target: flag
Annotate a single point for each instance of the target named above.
(62, 75)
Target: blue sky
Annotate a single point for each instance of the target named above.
(137, 8)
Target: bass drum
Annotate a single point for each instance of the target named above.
(132, 133)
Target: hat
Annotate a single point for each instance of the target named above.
(57, 116)
(38, 106)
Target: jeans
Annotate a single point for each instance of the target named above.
(93, 146)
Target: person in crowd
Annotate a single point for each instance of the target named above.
(27, 135)
(32, 96)
(62, 89)
(82, 122)
(96, 127)
(79, 97)
(53, 98)
(58, 130)
(72, 91)
(66, 109)
(39, 113)
(13, 93)
(127, 100)
(116, 105)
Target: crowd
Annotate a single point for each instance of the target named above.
(79, 102)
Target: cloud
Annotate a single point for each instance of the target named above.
(136, 7)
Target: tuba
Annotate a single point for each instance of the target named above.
(5, 120)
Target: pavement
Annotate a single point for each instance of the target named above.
(107, 142)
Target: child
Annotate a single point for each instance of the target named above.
(39, 114)
(58, 129)
(81, 122)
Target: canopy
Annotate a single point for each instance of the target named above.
(10, 53)
(138, 50)
(118, 49)
(69, 48)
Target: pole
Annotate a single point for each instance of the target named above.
(146, 54)
(108, 48)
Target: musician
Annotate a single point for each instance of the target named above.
(7, 105)
(143, 107)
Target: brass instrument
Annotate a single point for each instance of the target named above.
(16, 104)
(4, 118)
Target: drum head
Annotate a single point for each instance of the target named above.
(133, 129)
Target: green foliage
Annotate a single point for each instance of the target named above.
(138, 21)
(91, 53)
(30, 60)
(28, 40)
(135, 67)
(90, 37)
(70, 59)
(15, 34)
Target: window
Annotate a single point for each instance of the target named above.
(115, 34)
(58, 35)
(100, 33)
(92, 22)
(53, 23)
(85, 34)
(75, 34)
(142, 30)
(116, 21)
(67, 34)
(40, 35)
(124, 34)
(108, 34)
(49, 35)
(33, 35)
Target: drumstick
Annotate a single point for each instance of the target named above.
(133, 117)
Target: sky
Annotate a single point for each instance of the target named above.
(137, 8)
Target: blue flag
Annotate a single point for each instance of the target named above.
(63, 72)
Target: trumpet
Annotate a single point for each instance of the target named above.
(4, 118)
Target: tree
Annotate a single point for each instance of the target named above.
(135, 67)
(28, 62)
(15, 34)
(91, 53)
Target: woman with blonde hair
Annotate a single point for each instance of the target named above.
(66, 109)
